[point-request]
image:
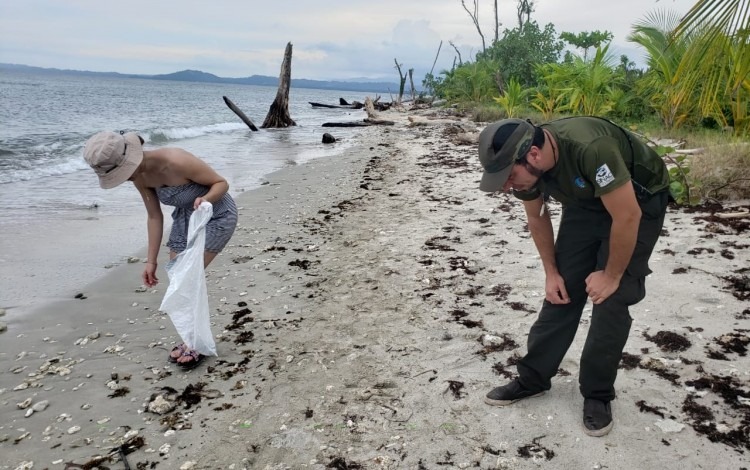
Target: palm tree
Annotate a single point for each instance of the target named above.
(721, 53)
(671, 90)
(727, 16)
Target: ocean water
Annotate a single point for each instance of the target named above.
(58, 229)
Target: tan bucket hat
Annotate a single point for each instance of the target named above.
(113, 156)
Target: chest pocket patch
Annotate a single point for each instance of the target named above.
(604, 176)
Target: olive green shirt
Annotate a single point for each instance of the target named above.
(594, 158)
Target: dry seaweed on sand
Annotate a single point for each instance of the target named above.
(669, 341)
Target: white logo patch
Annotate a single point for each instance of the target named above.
(604, 176)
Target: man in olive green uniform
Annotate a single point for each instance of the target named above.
(614, 192)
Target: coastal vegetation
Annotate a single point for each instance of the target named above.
(692, 99)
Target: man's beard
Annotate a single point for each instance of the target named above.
(534, 171)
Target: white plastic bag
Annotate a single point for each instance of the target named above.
(186, 300)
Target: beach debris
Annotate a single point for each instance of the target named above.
(731, 343)
(669, 341)
(24, 404)
(456, 388)
(114, 349)
(3, 327)
(90, 337)
(328, 138)
(239, 113)
(160, 405)
(73, 429)
(188, 465)
(493, 344)
(133, 259)
(40, 405)
(80, 296)
(645, 407)
(669, 425)
(2, 312)
(536, 451)
(25, 465)
(278, 114)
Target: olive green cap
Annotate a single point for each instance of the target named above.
(497, 157)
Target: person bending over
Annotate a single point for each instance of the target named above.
(173, 177)
(614, 192)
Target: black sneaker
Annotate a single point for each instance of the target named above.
(597, 417)
(510, 393)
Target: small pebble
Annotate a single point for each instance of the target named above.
(40, 405)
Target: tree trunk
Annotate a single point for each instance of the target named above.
(278, 114)
(239, 113)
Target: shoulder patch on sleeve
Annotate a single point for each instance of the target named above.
(604, 176)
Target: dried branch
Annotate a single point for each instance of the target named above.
(475, 18)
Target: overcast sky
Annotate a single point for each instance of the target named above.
(333, 39)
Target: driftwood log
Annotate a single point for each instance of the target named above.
(239, 113)
(372, 118)
(278, 114)
(363, 123)
(353, 105)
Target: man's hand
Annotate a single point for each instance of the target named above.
(554, 290)
(599, 286)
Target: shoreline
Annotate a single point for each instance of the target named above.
(363, 308)
(35, 272)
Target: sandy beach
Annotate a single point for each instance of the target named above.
(365, 305)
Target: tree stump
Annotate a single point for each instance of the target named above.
(278, 114)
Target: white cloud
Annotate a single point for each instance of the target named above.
(337, 39)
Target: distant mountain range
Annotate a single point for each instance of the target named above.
(198, 76)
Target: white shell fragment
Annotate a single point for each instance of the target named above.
(669, 425)
(24, 404)
(161, 406)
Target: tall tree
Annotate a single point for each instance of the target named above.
(517, 52)
(524, 9)
(585, 40)
(497, 24)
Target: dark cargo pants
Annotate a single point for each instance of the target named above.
(582, 247)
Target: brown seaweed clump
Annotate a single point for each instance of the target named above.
(669, 341)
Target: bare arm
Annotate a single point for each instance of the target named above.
(540, 226)
(193, 168)
(626, 216)
(155, 228)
